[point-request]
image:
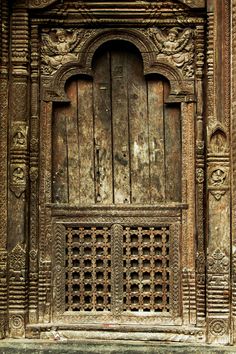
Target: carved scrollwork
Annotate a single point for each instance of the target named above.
(176, 46)
(40, 3)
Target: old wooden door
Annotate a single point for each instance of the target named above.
(117, 165)
(117, 142)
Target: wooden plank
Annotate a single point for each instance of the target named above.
(59, 157)
(102, 133)
(86, 141)
(120, 126)
(156, 140)
(138, 121)
(72, 143)
(173, 153)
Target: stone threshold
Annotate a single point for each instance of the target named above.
(20, 346)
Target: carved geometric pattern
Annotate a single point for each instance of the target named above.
(119, 268)
(88, 269)
(218, 327)
(146, 269)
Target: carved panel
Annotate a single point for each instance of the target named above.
(99, 259)
(176, 46)
(88, 269)
(146, 269)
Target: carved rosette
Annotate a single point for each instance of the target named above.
(218, 327)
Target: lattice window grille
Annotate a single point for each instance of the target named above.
(146, 270)
(88, 269)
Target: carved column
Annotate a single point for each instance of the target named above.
(4, 40)
(200, 177)
(34, 146)
(218, 176)
(233, 156)
(18, 171)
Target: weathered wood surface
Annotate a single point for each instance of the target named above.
(117, 141)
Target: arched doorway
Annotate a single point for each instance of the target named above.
(117, 142)
(117, 171)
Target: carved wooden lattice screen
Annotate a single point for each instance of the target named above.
(117, 270)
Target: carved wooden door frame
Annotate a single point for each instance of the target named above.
(28, 264)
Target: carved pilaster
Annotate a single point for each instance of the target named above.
(218, 176)
(200, 177)
(4, 40)
(17, 295)
(33, 176)
(233, 156)
(18, 167)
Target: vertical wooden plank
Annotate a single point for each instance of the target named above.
(102, 125)
(138, 121)
(72, 143)
(86, 141)
(59, 157)
(173, 153)
(120, 126)
(156, 140)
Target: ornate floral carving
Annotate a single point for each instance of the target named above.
(176, 46)
(17, 259)
(218, 262)
(57, 48)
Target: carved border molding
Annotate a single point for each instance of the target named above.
(40, 4)
(233, 156)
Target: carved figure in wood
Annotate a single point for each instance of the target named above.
(57, 48)
(176, 46)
